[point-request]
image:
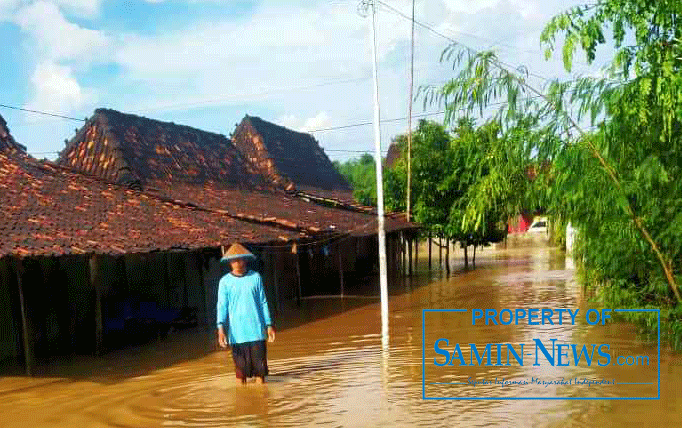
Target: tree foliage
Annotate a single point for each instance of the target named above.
(450, 178)
(618, 180)
(361, 174)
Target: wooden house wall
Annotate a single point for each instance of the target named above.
(10, 326)
(287, 277)
(61, 303)
(212, 276)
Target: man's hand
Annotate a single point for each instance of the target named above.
(271, 334)
(222, 339)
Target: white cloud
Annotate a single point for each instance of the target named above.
(319, 121)
(7, 7)
(275, 61)
(57, 38)
(80, 7)
(288, 121)
(56, 90)
(273, 38)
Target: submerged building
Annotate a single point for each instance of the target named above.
(122, 236)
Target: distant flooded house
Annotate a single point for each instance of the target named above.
(290, 158)
(86, 264)
(523, 221)
(392, 155)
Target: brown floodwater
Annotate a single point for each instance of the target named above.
(329, 366)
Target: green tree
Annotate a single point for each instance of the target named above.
(361, 174)
(617, 181)
(448, 172)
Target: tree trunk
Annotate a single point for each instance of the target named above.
(474, 259)
(440, 251)
(447, 256)
(430, 243)
(466, 256)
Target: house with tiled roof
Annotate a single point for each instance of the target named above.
(93, 262)
(294, 159)
(392, 156)
(123, 235)
(135, 150)
(7, 143)
(45, 207)
(208, 170)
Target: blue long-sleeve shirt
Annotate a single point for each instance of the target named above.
(242, 302)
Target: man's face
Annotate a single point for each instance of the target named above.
(238, 265)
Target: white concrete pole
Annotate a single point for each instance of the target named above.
(383, 278)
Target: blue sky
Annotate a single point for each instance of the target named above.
(207, 63)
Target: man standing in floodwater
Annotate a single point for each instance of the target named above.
(243, 311)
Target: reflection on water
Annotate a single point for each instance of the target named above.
(333, 370)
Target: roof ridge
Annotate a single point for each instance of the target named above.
(107, 111)
(7, 141)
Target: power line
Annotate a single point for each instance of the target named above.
(267, 92)
(359, 124)
(61, 116)
(438, 33)
(354, 125)
(352, 151)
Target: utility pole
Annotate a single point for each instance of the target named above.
(409, 123)
(383, 279)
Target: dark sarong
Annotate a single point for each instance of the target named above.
(250, 359)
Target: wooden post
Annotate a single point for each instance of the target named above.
(409, 255)
(430, 243)
(340, 268)
(466, 256)
(474, 259)
(447, 255)
(95, 282)
(389, 255)
(166, 278)
(403, 252)
(394, 256)
(416, 254)
(185, 292)
(275, 280)
(298, 274)
(28, 349)
(202, 279)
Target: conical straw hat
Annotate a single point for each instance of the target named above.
(237, 251)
